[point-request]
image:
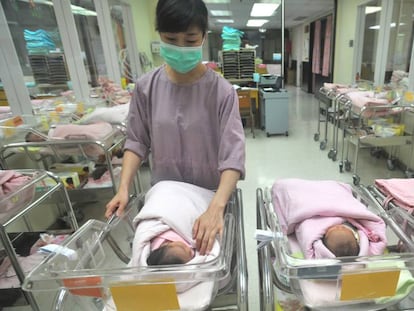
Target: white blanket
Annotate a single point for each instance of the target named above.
(175, 205)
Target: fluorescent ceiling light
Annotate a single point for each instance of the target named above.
(256, 22)
(217, 1)
(372, 9)
(392, 25)
(225, 21)
(263, 9)
(220, 12)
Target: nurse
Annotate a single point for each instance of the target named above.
(186, 118)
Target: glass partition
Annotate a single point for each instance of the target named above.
(90, 40)
(400, 42)
(372, 14)
(118, 27)
(38, 45)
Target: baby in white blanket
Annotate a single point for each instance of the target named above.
(165, 222)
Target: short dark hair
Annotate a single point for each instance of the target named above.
(161, 256)
(342, 248)
(179, 15)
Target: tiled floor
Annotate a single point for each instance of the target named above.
(296, 155)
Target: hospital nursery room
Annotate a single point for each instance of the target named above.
(206, 155)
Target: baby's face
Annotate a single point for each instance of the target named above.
(181, 250)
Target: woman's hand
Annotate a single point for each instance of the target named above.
(117, 204)
(210, 224)
(207, 227)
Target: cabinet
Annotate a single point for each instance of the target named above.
(18, 226)
(238, 64)
(274, 112)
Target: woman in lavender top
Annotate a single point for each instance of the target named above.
(186, 118)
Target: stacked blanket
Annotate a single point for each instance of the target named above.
(308, 208)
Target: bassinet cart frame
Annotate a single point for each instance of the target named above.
(55, 192)
(233, 295)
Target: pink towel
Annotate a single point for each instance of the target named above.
(401, 190)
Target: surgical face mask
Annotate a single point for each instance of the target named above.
(181, 59)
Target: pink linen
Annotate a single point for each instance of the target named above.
(308, 208)
(11, 182)
(327, 48)
(401, 190)
(316, 54)
(5, 109)
(362, 99)
(95, 131)
(333, 86)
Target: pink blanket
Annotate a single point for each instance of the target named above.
(99, 131)
(308, 208)
(400, 190)
(367, 99)
(11, 183)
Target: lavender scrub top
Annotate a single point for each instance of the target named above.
(193, 131)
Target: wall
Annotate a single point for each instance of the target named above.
(297, 38)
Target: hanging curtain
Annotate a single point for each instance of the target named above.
(316, 54)
(327, 48)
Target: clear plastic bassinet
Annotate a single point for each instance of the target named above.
(90, 271)
(342, 283)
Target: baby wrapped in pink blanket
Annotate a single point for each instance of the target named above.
(308, 208)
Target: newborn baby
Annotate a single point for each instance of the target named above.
(169, 248)
(342, 240)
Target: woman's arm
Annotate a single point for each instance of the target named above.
(210, 224)
(130, 164)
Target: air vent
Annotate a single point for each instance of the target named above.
(299, 18)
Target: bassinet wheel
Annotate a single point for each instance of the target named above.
(341, 167)
(376, 152)
(330, 153)
(316, 137)
(356, 180)
(334, 155)
(322, 145)
(391, 164)
(409, 174)
(347, 166)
